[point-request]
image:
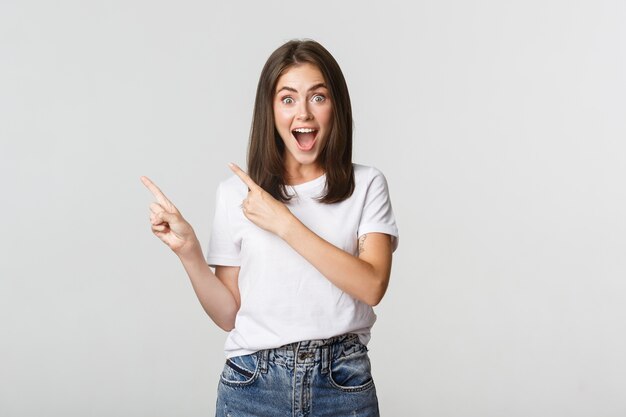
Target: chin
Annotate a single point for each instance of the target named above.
(307, 161)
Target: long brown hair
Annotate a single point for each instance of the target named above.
(266, 148)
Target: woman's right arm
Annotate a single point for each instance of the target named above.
(217, 292)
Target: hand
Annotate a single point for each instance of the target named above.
(167, 222)
(261, 208)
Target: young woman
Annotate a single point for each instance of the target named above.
(301, 245)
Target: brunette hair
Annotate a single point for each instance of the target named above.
(266, 148)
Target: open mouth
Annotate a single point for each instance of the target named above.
(305, 138)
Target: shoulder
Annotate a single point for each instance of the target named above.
(366, 174)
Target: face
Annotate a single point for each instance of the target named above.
(302, 114)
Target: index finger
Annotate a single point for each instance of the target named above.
(244, 177)
(155, 190)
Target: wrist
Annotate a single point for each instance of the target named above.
(190, 251)
(289, 225)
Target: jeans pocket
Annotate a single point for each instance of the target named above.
(240, 370)
(352, 372)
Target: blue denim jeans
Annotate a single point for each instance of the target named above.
(311, 378)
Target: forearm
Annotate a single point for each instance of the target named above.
(349, 273)
(215, 298)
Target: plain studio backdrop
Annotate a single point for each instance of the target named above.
(500, 127)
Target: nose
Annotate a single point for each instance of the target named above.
(303, 112)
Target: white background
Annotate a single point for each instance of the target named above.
(500, 127)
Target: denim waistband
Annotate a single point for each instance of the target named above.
(311, 352)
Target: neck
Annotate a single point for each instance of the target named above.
(298, 173)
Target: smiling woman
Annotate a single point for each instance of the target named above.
(302, 87)
(301, 245)
(302, 113)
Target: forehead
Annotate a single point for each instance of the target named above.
(300, 75)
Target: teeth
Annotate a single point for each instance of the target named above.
(304, 130)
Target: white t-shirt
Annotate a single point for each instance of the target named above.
(284, 299)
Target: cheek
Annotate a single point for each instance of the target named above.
(325, 116)
(282, 118)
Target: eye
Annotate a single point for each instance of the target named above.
(287, 100)
(318, 98)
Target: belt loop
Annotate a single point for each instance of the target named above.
(263, 359)
(326, 358)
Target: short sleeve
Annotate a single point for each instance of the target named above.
(377, 215)
(222, 250)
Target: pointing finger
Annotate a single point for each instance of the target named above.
(156, 208)
(244, 177)
(158, 194)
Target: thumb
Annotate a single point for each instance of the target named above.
(167, 217)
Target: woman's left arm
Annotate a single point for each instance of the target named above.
(364, 277)
(372, 266)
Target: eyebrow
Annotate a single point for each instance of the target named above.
(315, 87)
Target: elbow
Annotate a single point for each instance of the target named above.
(227, 325)
(227, 329)
(377, 282)
(376, 294)
(227, 322)
(373, 300)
